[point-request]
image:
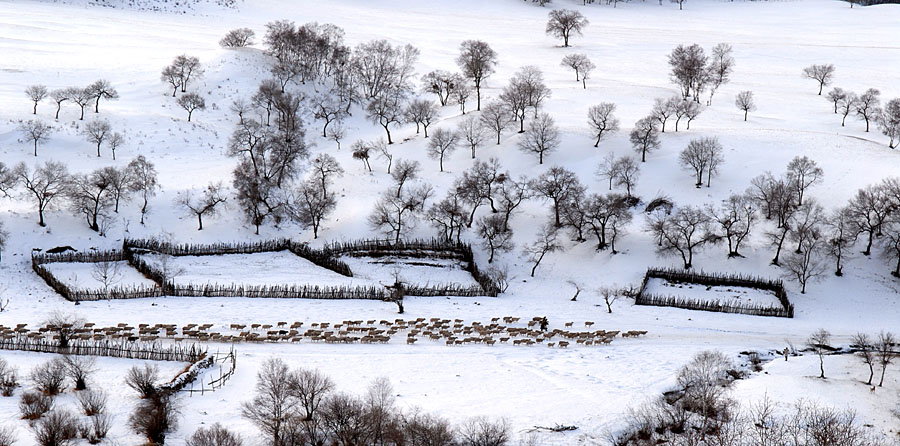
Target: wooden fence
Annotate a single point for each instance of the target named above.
(114, 349)
(327, 257)
(786, 308)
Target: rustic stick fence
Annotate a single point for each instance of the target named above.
(785, 309)
(114, 349)
(327, 257)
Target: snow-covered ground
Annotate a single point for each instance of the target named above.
(85, 276)
(74, 43)
(728, 295)
(422, 272)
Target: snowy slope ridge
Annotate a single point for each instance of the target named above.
(74, 43)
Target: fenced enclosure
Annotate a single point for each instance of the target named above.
(110, 348)
(327, 257)
(785, 309)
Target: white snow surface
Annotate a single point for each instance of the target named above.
(728, 295)
(75, 43)
(82, 275)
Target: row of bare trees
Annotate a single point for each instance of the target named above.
(93, 195)
(302, 406)
(700, 411)
(80, 96)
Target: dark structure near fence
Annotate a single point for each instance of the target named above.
(786, 309)
(328, 258)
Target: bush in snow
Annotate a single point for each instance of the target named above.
(50, 377)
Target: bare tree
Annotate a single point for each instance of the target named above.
(865, 351)
(702, 155)
(477, 61)
(275, 402)
(582, 66)
(325, 167)
(821, 73)
(397, 212)
(847, 105)
(663, 109)
(443, 143)
(472, 130)
(867, 106)
(602, 120)
(840, 237)
(143, 181)
(684, 232)
(216, 434)
(610, 295)
(889, 122)
(44, 184)
(744, 102)
(449, 216)
(645, 137)
(102, 89)
(184, 68)
(362, 151)
(627, 173)
(542, 137)
(818, 343)
(511, 194)
(495, 236)
(81, 97)
(735, 218)
(718, 69)
(806, 265)
(560, 186)
(421, 112)
(461, 95)
(337, 132)
(382, 70)
(496, 117)
(115, 141)
(36, 93)
(442, 84)
(526, 90)
(191, 102)
(207, 204)
(481, 431)
(546, 243)
(869, 210)
(689, 70)
(59, 96)
(169, 75)
(36, 131)
(803, 173)
(79, 368)
(607, 215)
(310, 204)
(310, 387)
(96, 132)
(885, 353)
(562, 23)
(237, 38)
(327, 108)
(385, 110)
(836, 95)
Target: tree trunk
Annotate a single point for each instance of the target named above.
(200, 221)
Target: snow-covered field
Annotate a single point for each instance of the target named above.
(85, 276)
(270, 268)
(75, 43)
(421, 272)
(728, 295)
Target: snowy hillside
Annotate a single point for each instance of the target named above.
(75, 43)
